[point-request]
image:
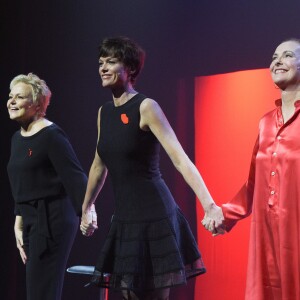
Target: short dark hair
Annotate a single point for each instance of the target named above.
(125, 50)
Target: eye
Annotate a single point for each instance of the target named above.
(289, 54)
(273, 58)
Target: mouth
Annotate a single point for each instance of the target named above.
(278, 71)
(105, 77)
(12, 109)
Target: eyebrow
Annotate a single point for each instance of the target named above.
(17, 94)
(284, 52)
(108, 58)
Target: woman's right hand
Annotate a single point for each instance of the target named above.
(18, 228)
(88, 220)
(213, 220)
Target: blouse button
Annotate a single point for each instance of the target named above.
(274, 153)
(272, 192)
(273, 173)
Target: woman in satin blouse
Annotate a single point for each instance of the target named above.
(272, 192)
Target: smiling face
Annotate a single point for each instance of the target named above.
(20, 104)
(285, 66)
(113, 73)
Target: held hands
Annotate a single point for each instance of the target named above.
(213, 220)
(19, 237)
(88, 221)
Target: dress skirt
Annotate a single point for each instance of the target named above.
(148, 255)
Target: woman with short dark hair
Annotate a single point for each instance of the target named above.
(150, 247)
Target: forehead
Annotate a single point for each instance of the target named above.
(21, 88)
(288, 46)
(107, 57)
(116, 60)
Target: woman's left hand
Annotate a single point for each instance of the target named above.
(18, 228)
(213, 220)
(89, 221)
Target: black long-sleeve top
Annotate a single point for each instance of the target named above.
(45, 165)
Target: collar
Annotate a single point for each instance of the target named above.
(278, 103)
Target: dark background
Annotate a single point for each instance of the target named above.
(58, 41)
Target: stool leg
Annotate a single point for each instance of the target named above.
(103, 294)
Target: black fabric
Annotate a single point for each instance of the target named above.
(44, 165)
(150, 244)
(148, 255)
(43, 169)
(49, 230)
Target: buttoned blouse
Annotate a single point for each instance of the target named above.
(272, 195)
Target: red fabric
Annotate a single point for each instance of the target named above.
(227, 109)
(272, 194)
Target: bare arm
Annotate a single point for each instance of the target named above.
(153, 118)
(97, 176)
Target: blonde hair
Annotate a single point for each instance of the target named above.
(41, 93)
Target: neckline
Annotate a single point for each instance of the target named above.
(37, 133)
(124, 104)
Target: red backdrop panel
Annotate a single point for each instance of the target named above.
(227, 111)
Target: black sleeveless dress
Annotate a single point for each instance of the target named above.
(149, 244)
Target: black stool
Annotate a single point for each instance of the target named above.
(88, 270)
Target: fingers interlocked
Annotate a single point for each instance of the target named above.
(88, 222)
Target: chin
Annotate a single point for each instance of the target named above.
(280, 84)
(105, 85)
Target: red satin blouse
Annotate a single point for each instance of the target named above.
(272, 195)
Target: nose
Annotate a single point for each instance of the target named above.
(278, 61)
(11, 100)
(103, 67)
(275, 62)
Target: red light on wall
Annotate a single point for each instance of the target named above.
(227, 111)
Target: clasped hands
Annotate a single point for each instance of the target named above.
(88, 221)
(213, 220)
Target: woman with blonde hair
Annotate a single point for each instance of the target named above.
(47, 183)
